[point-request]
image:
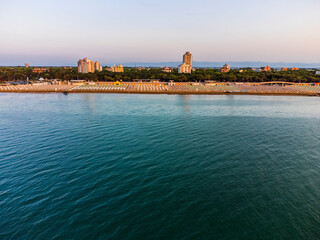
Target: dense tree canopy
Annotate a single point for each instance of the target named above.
(129, 74)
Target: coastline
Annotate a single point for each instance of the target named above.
(179, 89)
(171, 93)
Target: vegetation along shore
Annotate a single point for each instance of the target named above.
(134, 74)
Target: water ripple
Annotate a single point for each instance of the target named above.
(159, 167)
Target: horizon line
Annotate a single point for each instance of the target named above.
(164, 63)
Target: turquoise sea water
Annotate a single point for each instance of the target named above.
(106, 166)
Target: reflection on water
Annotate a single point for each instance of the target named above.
(185, 102)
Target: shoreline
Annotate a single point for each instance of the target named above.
(168, 93)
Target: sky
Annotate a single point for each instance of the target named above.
(56, 32)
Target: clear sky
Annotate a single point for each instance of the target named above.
(56, 32)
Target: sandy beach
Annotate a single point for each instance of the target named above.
(160, 88)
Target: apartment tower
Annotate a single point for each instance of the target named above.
(88, 66)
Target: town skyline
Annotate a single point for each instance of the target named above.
(175, 64)
(186, 67)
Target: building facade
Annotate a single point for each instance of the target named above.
(187, 58)
(186, 66)
(117, 68)
(88, 66)
(97, 66)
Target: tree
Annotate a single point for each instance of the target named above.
(182, 78)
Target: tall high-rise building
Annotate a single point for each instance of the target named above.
(186, 66)
(88, 66)
(97, 66)
(187, 58)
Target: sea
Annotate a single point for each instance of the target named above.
(125, 166)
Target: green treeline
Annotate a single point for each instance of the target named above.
(129, 74)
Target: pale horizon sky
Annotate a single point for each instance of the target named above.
(55, 32)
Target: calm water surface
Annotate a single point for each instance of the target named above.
(104, 166)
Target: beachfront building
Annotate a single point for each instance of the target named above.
(88, 66)
(284, 69)
(117, 68)
(186, 66)
(225, 68)
(166, 69)
(294, 69)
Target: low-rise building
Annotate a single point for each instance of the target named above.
(317, 72)
(284, 69)
(294, 69)
(77, 82)
(210, 82)
(225, 68)
(40, 70)
(140, 68)
(266, 69)
(166, 69)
